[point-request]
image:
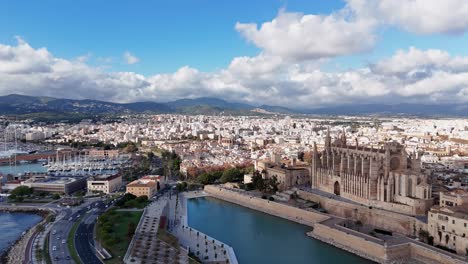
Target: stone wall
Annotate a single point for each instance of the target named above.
(379, 218)
(361, 245)
(428, 255)
(349, 242)
(274, 208)
(380, 252)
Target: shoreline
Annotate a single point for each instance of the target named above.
(10, 253)
(347, 240)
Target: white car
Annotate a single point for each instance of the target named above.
(54, 248)
(63, 241)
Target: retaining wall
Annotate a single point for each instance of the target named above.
(270, 207)
(383, 219)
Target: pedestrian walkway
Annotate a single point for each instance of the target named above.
(206, 248)
(146, 247)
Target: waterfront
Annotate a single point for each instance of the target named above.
(13, 225)
(37, 167)
(22, 168)
(261, 238)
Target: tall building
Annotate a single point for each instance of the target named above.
(386, 178)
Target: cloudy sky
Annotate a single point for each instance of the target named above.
(298, 54)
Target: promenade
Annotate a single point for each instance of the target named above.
(146, 246)
(206, 248)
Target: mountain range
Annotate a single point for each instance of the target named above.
(40, 106)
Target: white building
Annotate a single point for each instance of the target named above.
(104, 183)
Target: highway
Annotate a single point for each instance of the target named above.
(84, 238)
(60, 231)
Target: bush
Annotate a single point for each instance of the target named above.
(264, 196)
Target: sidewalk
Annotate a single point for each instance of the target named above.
(203, 246)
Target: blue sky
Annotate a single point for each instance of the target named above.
(165, 35)
(327, 63)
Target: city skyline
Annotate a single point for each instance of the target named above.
(287, 53)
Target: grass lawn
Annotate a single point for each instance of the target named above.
(46, 251)
(71, 242)
(112, 231)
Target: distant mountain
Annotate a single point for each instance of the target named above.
(209, 101)
(49, 108)
(37, 106)
(423, 110)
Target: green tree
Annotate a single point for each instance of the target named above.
(131, 229)
(258, 182)
(230, 175)
(22, 191)
(272, 185)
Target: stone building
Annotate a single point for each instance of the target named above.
(453, 198)
(449, 227)
(289, 174)
(387, 177)
(140, 187)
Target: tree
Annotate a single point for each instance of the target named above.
(142, 199)
(258, 182)
(131, 229)
(56, 196)
(230, 175)
(22, 191)
(19, 193)
(131, 148)
(40, 228)
(272, 185)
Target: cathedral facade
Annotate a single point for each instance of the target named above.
(387, 178)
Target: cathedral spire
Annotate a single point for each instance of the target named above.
(328, 140)
(343, 137)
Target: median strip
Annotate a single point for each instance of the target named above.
(71, 242)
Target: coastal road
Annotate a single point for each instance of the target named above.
(60, 231)
(84, 237)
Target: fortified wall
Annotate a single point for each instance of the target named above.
(357, 243)
(379, 251)
(277, 209)
(379, 218)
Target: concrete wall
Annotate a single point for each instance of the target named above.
(269, 207)
(376, 217)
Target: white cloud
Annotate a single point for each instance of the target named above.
(417, 16)
(410, 75)
(130, 58)
(301, 37)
